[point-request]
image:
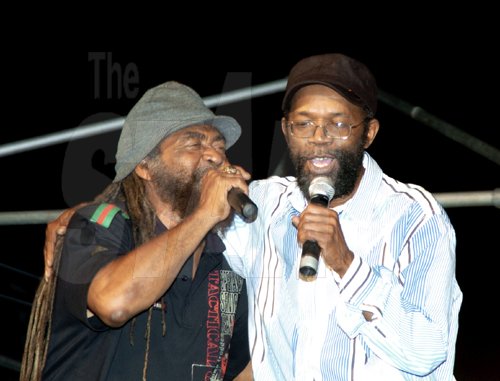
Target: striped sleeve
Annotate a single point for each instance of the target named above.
(411, 320)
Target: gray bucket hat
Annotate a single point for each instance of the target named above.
(161, 111)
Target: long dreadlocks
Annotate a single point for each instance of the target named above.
(131, 192)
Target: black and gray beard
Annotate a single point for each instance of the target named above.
(343, 180)
(181, 190)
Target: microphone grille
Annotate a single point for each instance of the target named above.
(321, 185)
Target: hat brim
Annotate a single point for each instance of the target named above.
(227, 126)
(349, 95)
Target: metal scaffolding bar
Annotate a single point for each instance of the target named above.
(459, 199)
(116, 123)
(28, 217)
(415, 112)
(448, 130)
(486, 198)
(62, 136)
(447, 200)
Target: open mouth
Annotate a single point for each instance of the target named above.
(321, 164)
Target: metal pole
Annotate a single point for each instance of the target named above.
(459, 199)
(415, 112)
(62, 136)
(448, 130)
(246, 93)
(28, 217)
(447, 200)
(116, 123)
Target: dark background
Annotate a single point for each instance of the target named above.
(449, 76)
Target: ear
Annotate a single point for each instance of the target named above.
(373, 127)
(142, 170)
(284, 129)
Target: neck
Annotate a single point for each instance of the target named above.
(164, 211)
(342, 200)
(170, 218)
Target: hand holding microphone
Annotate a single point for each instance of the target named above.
(321, 192)
(239, 201)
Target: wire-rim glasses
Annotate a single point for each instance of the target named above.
(334, 130)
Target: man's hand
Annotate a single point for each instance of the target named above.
(320, 224)
(215, 185)
(54, 229)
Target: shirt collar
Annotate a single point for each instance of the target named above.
(362, 203)
(296, 197)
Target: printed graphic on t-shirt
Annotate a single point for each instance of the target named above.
(224, 288)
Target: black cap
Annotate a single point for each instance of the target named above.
(349, 77)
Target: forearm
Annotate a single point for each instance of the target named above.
(133, 282)
(410, 329)
(407, 337)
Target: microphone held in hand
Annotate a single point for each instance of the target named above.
(321, 192)
(242, 204)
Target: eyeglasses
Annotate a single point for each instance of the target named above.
(335, 130)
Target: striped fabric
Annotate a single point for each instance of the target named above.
(403, 272)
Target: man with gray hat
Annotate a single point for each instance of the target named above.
(350, 273)
(142, 290)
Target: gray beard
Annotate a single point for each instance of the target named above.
(181, 190)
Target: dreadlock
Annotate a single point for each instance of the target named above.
(143, 224)
(35, 348)
(131, 191)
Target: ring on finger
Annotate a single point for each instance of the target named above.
(230, 169)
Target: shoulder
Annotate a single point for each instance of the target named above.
(272, 194)
(415, 208)
(100, 221)
(102, 214)
(414, 196)
(392, 194)
(272, 185)
(104, 224)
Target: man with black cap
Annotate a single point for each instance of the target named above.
(142, 289)
(381, 302)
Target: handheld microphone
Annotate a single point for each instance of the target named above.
(242, 204)
(321, 192)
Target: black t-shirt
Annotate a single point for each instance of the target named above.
(205, 317)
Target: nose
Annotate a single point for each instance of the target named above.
(213, 156)
(319, 135)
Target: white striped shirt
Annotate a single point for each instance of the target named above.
(403, 271)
